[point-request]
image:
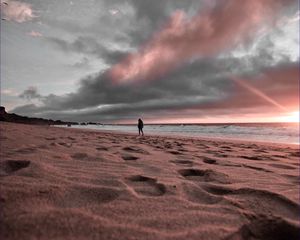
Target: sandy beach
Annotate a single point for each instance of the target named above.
(60, 183)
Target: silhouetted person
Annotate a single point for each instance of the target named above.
(140, 126)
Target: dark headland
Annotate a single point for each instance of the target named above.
(15, 118)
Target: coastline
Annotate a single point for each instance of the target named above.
(177, 136)
(86, 184)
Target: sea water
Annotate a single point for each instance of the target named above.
(263, 132)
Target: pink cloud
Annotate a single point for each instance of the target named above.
(34, 34)
(16, 11)
(207, 34)
(276, 87)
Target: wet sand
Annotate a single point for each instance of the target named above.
(59, 183)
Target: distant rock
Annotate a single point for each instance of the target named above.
(11, 117)
(2, 110)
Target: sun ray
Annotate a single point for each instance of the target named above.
(259, 93)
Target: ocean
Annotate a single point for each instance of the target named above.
(261, 132)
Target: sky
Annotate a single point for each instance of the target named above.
(170, 61)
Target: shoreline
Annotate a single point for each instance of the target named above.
(220, 139)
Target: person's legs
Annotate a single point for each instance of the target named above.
(142, 132)
(139, 131)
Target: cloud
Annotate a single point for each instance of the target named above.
(34, 34)
(27, 110)
(295, 18)
(17, 11)
(202, 88)
(30, 93)
(192, 68)
(207, 34)
(89, 46)
(276, 88)
(154, 13)
(180, 89)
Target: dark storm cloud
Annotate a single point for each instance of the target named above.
(30, 93)
(203, 85)
(28, 109)
(190, 85)
(196, 79)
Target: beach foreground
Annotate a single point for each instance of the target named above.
(78, 184)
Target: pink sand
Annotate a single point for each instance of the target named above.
(59, 183)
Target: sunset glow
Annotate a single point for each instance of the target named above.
(290, 117)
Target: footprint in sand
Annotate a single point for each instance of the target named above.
(265, 202)
(128, 157)
(158, 147)
(256, 168)
(68, 145)
(295, 154)
(226, 148)
(198, 195)
(264, 227)
(260, 150)
(256, 158)
(11, 166)
(220, 155)
(210, 152)
(79, 156)
(50, 138)
(202, 146)
(279, 156)
(43, 146)
(167, 146)
(102, 148)
(134, 149)
(293, 179)
(206, 175)
(27, 150)
(209, 160)
(146, 186)
(281, 166)
(175, 152)
(182, 162)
